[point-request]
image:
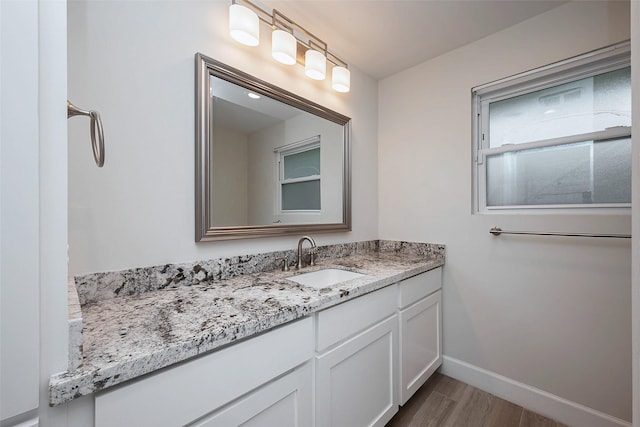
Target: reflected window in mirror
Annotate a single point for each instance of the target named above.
(300, 177)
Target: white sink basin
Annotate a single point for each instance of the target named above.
(324, 278)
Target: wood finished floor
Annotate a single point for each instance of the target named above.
(445, 402)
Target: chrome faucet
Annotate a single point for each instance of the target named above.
(312, 251)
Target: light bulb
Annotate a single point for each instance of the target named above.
(315, 65)
(341, 79)
(283, 47)
(244, 26)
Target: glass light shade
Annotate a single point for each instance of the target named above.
(283, 47)
(315, 65)
(244, 25)
(340, 79)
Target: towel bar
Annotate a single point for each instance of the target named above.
(496, 231)
(98, 147)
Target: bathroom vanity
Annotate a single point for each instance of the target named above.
(260, 348)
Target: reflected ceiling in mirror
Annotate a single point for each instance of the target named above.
(268, 162)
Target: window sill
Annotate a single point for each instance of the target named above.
(554, 210)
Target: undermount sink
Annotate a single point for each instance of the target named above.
(324, 278)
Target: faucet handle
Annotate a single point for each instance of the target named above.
(312, 252)
(285, 263)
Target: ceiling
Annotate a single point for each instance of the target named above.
(383, 37)
(234, 108)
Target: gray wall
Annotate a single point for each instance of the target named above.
(554, 314)
(229, 177)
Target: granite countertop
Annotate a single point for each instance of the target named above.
(132, 335)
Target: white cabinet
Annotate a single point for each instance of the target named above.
(371, 354)
(191, 390)
(285, 402)
(420, 319)
(355, 381)
(356, 375)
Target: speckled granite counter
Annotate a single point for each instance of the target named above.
(132, 333)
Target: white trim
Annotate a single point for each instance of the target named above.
(539, 401)
(635, 220)
(618, 132)
(624, 207)
(589, 60)
(583, 210)
(298, 146)
(567, 75)
(300, 179)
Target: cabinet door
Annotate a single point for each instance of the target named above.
(286, 402)
(420, 343)
(355, 381)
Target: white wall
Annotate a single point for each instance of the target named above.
(230, 177)
(134, 63)
(52, 163)
(263, 174)
(19, 231)
(33, 209)
(551, 313)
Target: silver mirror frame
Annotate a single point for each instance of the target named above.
(205, 231)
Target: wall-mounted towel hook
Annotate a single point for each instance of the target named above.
(98, 147)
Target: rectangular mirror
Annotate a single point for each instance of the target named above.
(268, 162)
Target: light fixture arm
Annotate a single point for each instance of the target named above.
(281, 22)
(277, 20)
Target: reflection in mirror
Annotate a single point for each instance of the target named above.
(268, 162)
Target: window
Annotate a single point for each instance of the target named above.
(556, 137)
(299, 176)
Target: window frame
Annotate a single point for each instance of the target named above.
(587, 65)
(308, 144)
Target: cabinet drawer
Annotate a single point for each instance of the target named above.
(285, 402)
(417, 287)
(180, 395)
(342, 321)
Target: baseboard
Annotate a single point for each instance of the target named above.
(547, 404)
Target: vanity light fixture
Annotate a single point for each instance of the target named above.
(283, 47)
(340, 79)
(289, 42)
(244, 25)
(315, 65)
